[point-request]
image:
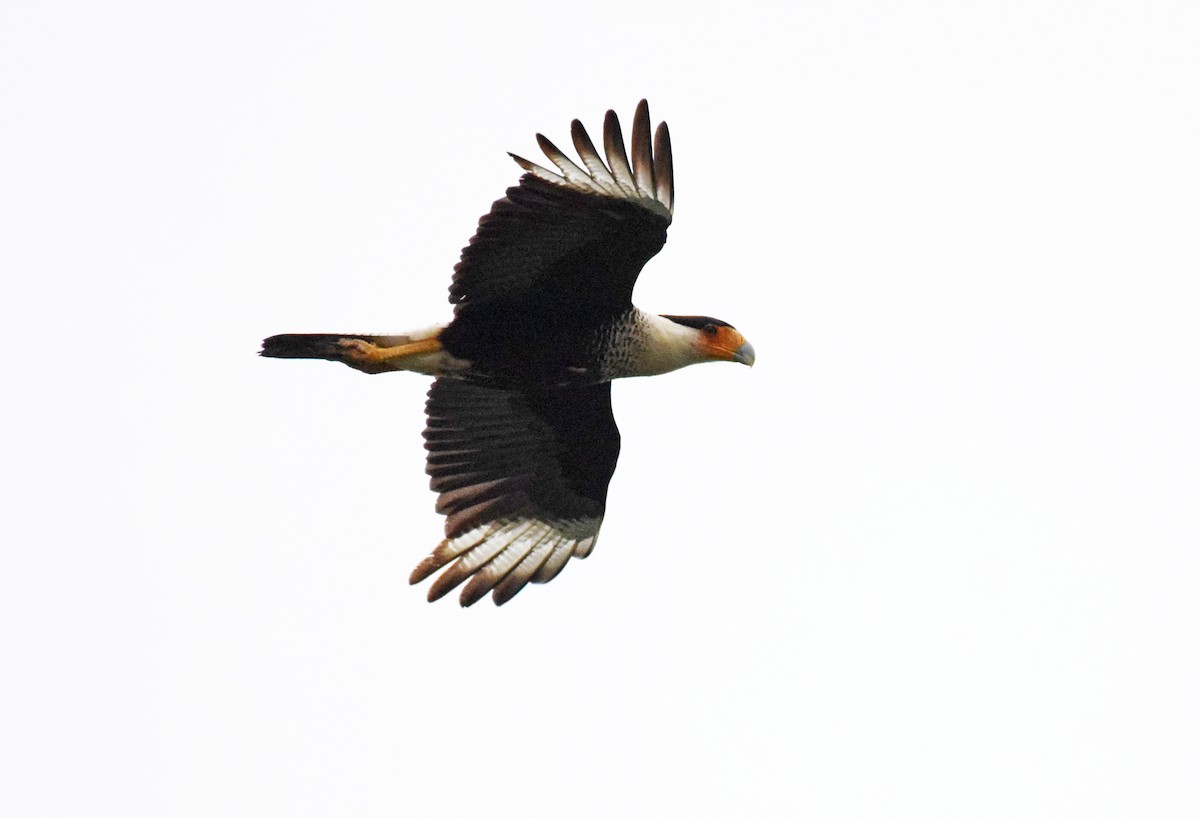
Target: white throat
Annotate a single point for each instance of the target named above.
(661, 346)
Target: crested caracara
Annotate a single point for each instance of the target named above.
(520, 433)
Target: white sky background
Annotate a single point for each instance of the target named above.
(935, 555)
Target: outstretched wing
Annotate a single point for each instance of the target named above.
(582, 234)
(522, 478)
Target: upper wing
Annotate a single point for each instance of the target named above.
(522, 478)
(584, 234)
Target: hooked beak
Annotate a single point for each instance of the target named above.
(744, 354)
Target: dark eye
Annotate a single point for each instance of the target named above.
(710, 329)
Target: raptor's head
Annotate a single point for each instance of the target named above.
(716, 340)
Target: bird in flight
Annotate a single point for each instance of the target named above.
(520, 437)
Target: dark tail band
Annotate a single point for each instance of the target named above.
(323, 347)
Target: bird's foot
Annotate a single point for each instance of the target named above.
(360, 351)
(365, 352)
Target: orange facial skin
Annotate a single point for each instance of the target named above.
(726, 344)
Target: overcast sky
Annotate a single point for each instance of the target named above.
(935, 555)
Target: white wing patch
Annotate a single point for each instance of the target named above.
(649, 181)
(504, 556)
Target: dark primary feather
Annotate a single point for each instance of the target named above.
(643, 159)
(664, 172)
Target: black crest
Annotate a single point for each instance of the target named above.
(698, 321)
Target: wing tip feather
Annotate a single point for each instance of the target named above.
(644, 177)
(507, 557)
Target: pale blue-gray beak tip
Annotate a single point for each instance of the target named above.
(744, 354)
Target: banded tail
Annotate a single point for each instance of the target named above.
(416, 352)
